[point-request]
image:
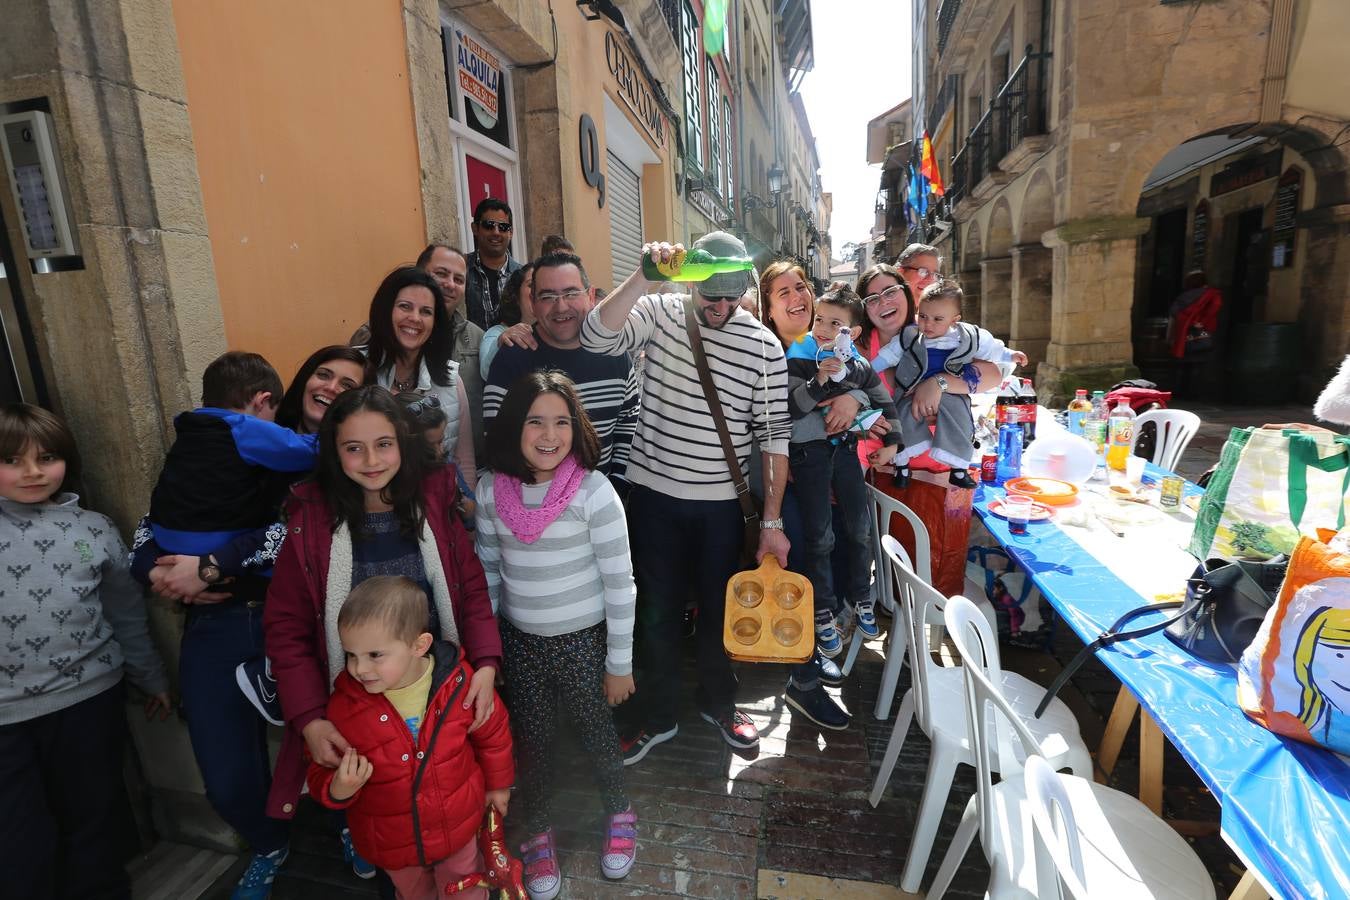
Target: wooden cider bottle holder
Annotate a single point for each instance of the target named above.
(770, 615)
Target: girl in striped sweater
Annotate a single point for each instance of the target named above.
(554, 544)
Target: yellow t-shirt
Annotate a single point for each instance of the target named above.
(411, 701)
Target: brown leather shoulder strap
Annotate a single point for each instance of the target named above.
(719, 417)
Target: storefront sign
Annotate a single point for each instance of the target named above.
(1245, 173)
(634, 91)
(480, 77)
(590, 157)
(1199, 235)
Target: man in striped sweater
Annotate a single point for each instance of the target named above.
(686, 525)
(562, 296)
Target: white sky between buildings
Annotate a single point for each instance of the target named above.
(863, 68)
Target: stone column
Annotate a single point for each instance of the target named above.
(1093, 289)
(972, 284)
(1032, 265)
(996, 295)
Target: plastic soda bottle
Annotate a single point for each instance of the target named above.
(1099, 408)
(1009, 448)
(1120, 435)
(1079, 408)
(693, 265)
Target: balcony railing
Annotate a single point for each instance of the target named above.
(946, 15)
(670, 9)
(1016, 113)
(943, 101)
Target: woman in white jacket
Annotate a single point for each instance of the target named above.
(410, 343)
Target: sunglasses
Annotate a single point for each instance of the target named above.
(503, 227)
(429, 402)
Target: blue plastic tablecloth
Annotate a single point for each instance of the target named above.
(1285, 805)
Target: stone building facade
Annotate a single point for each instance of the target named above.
(1066, 130)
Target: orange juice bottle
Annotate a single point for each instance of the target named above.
(1120, 435)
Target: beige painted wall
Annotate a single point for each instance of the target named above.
(302, 119)
(1317, 80)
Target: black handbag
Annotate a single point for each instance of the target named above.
(1224, 607)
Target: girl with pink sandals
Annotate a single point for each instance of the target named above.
(553, 541)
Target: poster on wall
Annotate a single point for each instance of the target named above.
(1286, 213)
(480, 78)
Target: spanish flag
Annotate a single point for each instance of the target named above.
(929, 167)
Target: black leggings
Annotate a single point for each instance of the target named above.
(541, 673)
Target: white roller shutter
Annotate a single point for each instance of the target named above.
(623, 194)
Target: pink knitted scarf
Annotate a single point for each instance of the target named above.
(528, 524)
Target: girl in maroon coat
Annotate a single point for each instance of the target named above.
(374, 509)
(414, 781)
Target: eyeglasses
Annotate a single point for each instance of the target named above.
(503, 227)
(924, 271)
(889, 294)
(548, 298)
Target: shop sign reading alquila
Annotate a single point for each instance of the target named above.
(634, 91)
(480, 77)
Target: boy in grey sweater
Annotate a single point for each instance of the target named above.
(72, 620)
(822, 462)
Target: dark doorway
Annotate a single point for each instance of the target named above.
(1247, 288)
(18, 380)
(1169, 256)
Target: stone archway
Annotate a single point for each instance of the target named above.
(967, 270)
(996, 271)
(1032, 267)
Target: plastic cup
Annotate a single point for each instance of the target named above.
(1134, 470)
(1018, 510)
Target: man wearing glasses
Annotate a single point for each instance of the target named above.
(490, 265)
(686, 523)
(561, 296)
(919, 265)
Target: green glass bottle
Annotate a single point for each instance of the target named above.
(693, 265)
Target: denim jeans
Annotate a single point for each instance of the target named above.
(679, 545)
(805, 676)
(229, 737)
(818, 466)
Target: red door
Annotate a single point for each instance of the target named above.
(485, 180)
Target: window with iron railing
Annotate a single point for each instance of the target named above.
(946, 17)
(714, 167)
(670, 11)
(1017, 111)
(693, 95)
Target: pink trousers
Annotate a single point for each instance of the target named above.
(429, 882)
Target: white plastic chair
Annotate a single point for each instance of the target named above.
(1104, 839)
(935, 697)
(1175, 427)
(883, 507)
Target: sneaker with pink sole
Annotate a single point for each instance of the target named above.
(543, 879)
(620, 844)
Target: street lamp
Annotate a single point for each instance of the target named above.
(750, 202)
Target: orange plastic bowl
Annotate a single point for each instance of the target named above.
(1049, 491)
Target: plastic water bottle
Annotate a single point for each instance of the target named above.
(843, 351)
(1120, 435)
(1079, 408)
(1009, 448)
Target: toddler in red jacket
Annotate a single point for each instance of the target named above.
(417, 778)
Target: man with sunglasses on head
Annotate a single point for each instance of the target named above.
(686, 525)
(490, 265)
(919, 265)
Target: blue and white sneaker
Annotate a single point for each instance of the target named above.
(865, 619)
(360, 867)
(828, 640)
(254, 677)
(256, 883)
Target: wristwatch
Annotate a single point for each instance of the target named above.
(942, 383)
(207, 570)
(771, 524)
